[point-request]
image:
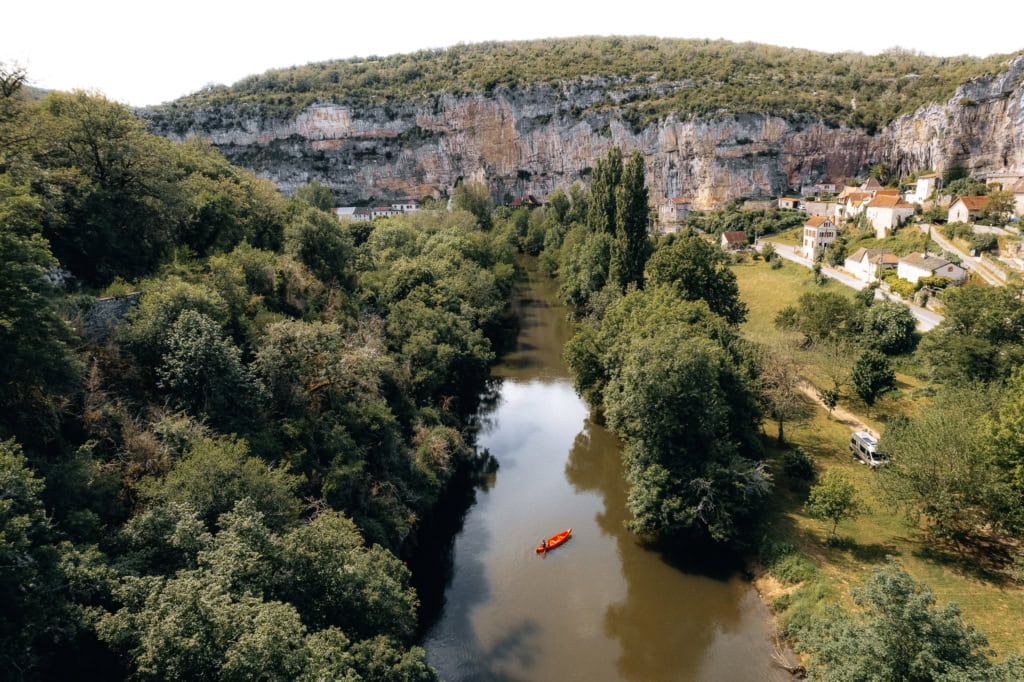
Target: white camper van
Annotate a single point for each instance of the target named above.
(864, 447)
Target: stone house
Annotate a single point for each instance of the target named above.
(406, 206)
(734, 241)
(819, 232)
(867, 264)
(918, 265)
(789, 202)
(966, 209)
(676, 208)
(887, 212)
(825, 209)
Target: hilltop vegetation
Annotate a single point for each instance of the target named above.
(647, 78)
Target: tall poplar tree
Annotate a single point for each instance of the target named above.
(631, 247)
(605, 180)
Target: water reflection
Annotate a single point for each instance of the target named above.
(603, 607)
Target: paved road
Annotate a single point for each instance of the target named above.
(926, 319)
(971, 263)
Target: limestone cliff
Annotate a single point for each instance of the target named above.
(532, 140)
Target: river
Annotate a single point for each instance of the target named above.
(602, 607)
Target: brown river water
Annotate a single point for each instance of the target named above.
(601, 607)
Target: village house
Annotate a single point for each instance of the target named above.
(856, 202)
(966, 209)
(886, 212)
(676, 208)
(406, 206)
(826, 209)
(734, 241)
(528, 200)
(818, 234)
(871, 185)
(917, 265)
(867, 264)
(926, 185)
(383, 212)
(789, 202)
(1018, 198)
(820, 187)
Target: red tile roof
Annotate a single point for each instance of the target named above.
(736, 237)
(816, 221)
(888, 201)
(972, 203)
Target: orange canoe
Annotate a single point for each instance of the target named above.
(554, 541)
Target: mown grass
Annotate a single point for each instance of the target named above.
(987, 600)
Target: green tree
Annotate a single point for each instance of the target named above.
(699, 270)
(889, 327)
(203, 372)
(872, 376)
(476, 199)
(215, 474)
(604, 183)
(898, 633)
(941, 466)
(631, 246)
(1002, 441)
(780, 388)
(38, 364)
(834, 498)
(315, 194)
(322, 243)
(818, 315)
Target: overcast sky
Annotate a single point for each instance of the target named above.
(145, 53)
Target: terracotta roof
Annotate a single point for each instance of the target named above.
(925, 262)
(789, 199)
(927, 175)
(735, 237)
(680, 200)
(874, 255)
(816, 221)
(972, 203)
(887, 192)
(888, 201)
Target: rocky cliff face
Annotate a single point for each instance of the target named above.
(534, 140)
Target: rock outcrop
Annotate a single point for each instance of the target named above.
(530, 141)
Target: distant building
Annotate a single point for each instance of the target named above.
(867, 264)
(789, 202)
(383, 212)
(871, 185)
(818, 234)
(676, 208)
(926, 185)
(345, 211)
(528, 200)
(856, 202)
(886, 212)
(826, 209)
(406, 206)
(966, 209)
(356, 213)
(917, 265)
(820, 187)
(1018, 198)
(734, 241)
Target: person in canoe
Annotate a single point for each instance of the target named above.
(544, 545)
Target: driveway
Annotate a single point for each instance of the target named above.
(926, 319)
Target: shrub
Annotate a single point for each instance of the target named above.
(792, 569)
(798, 465)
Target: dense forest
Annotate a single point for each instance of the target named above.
(220, 483)
(647, 78)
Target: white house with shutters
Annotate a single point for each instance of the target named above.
(819, 232)
(918, 265)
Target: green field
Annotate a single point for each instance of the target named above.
(988, 601)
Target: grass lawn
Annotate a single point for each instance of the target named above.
(989, 602)
(992, 604)
(767, 291)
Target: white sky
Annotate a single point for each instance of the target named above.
(143, 53)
